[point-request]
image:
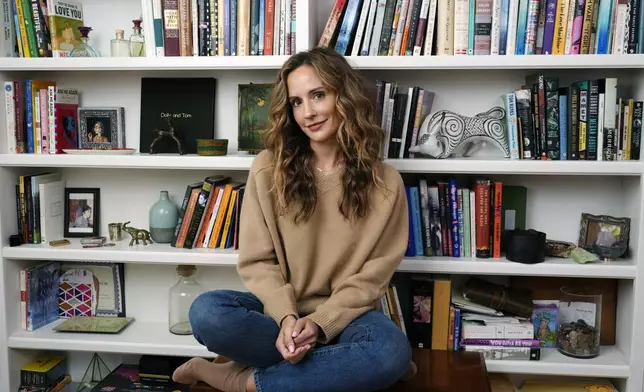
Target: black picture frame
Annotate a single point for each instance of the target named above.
(77, 202)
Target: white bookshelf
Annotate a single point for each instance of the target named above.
(558, 192)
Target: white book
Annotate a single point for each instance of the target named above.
(461, 26)
(513, 20)
(445, 25)
(51, 200)
(371, 19)
(10, 117)
(276, 27)
(431, 23)
(610, 111)
(377, 28)
(569, 24)
(410, 95)
(360, 30)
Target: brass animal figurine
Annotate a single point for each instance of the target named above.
(136, 234)
(160, 134)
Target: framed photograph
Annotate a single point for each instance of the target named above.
(82, 211)
(101, 128)
(603, 230)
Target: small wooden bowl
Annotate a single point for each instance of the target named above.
(212, 147)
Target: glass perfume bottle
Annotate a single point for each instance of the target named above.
(182, 294)
(84, 49)
(137, 40)
(119, 46)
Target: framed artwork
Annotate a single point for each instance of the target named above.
(604, 230)
(111, 284)
(254, 102)
(82, 212)
(101, 128)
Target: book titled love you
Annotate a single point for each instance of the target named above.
(188, 104)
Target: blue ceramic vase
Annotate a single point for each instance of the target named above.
(163, 219)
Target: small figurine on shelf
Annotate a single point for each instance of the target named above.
(160, 134)
(137, 40)
(136, 234)
(84, 49)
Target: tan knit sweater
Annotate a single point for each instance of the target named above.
(327, 268)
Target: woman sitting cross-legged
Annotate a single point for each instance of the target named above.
(323, 228)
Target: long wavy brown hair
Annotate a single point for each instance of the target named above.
(358, 136)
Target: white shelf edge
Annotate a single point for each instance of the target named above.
(551, 267)
(138, 338)
(142, 63)
(489, 62)
(188, 63)
(610, 363)
(154, 339)
(244, 161)
(165, 254)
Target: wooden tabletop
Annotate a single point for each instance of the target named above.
(446, 371)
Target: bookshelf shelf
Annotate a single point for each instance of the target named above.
(502, 266)
(142, 63)
(166, 254)
(153, 338)
(122, 253)
(244, 162)
(195, 63)
(138, 338)
(490, 62)
(611, 363)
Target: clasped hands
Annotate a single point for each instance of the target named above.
(296, 338)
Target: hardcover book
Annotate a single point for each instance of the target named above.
(187, 103)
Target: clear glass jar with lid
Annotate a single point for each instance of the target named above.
(119, 46)
(182, 294)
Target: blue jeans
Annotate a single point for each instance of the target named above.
(371, 353)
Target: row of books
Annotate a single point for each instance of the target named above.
(39, 198)
(41, 118)
(447, 219)
(400, 115)
(586, 120)
(40, 28)
(433, 314)
(483, 27)
(224, 27)
(209, 215)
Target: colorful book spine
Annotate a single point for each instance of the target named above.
(531, 27)
(347, 29)
(453, 210)
(563, 123)
(549, 28)
(511, 124)
(604, 26)
(522, 25)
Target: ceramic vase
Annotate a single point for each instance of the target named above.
(163, 219)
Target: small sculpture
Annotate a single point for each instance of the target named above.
(136, 234)
(160, 134)
(446, 133)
